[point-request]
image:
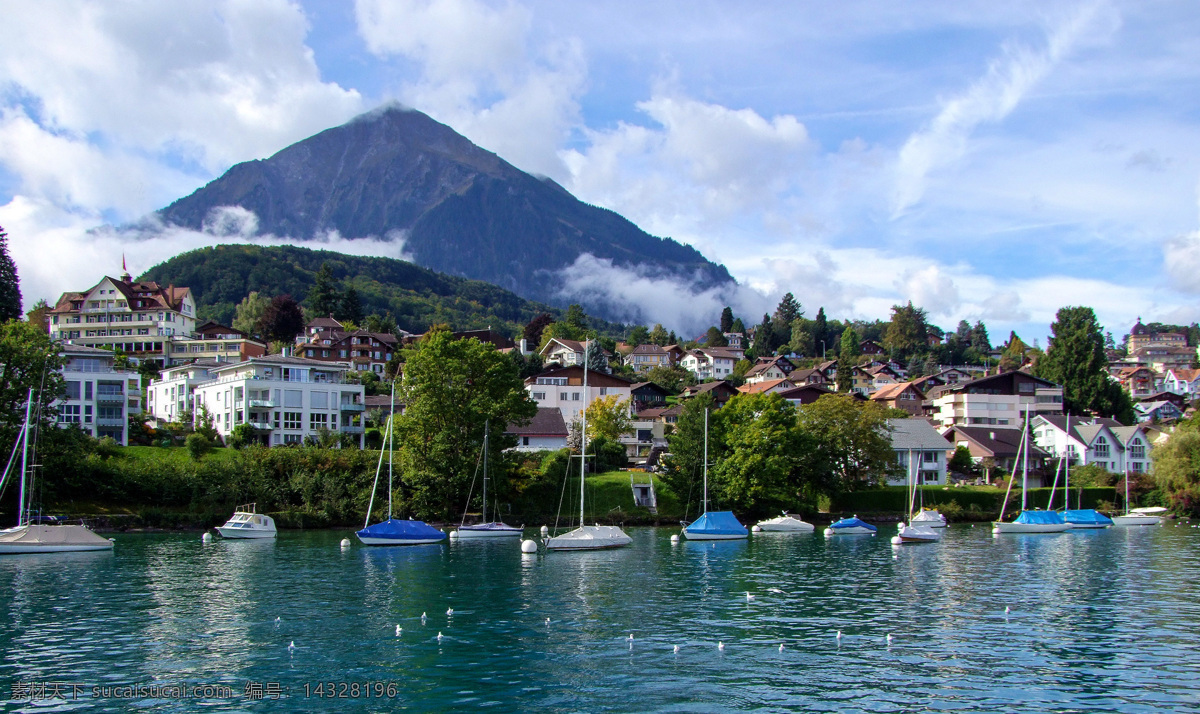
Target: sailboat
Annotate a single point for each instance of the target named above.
(394, 531)
(1028, 521)
(1080, 518)
(486, 529)
(713, 525)
(29, 537)
(595, 537)
(916, 532)
(1150, 516)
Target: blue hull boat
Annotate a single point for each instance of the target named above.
(850, 526)
(1086, 518)
(397, 532)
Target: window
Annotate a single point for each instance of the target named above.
(292, 438)
(69, 414)
(87, 391)
(109, 413)
(292, 420)
(318, 400)
(1137, 450)
(318, 421)
(1136, 466)
(293, 398)
(562, 396)
(539, 396)
(931, 457)
(524, 441)
(73, 392)
(1101, 448)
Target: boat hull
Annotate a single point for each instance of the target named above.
(999, 527)
(853, 530)
(713, 536)
(499, 531)
(916, 534)
(921, 520)
(25, 540)
(590, 538)
(786, 524)
(244, 533)
(368, 540)
(1133, 520)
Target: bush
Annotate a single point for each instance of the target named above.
(243, 435)
(197, 446)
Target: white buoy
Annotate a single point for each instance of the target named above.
(206, 538)
(545, 530)
(399, 629)
(454, 535)
(345, 543)
(449, 612)
(828, 532)
(896, 540)
(675, 538)
(547, 622)
(756, 529)
(529, 546)
(439, 636)
(630, 638)
(1006, 610)
(721, 646)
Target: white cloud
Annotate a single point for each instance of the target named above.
(482, 75)
(930, 288)
(141, 86)
(990, 99)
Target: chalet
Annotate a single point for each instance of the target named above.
(644, 358)
(769, 368)
(562, 352)
(363, 351)
(809, 393)
(767, 386)
(721, 391)
(648, 395)
(1139, 382)
(903, 396)
(920, 452)
(871, 347)
(991, 447)
(1185, 382)
(562, 388)
(807, 376)
(1157, 411)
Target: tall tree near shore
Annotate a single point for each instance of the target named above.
(1075, 359)
(10, 284)
(847, 360)
(28, 360)
(727, 319)
(249, 312)
(323, 298)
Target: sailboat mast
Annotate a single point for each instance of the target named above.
(485, 456)
(25, 464)
(912, 486)
(1025, 464)
(1067, 471)
(705, 460)
(583, 434)
(391, 445)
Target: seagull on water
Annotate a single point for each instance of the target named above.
(676, 649)
(449, 612)
(889, 638)
(277, 622)
(839, 635)
(547, 621)
(292, 646)
(422, 618)
(749, 597)
(720, 646)
(780, 646)
(399, 629)
(439, 637)
(1006, 609)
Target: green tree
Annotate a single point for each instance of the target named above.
(39, 314)
(820, 330)
(738, 326)
(1014, 354)
(594, 356)
(249, 313)
(760, 453)
(350, 306)
(282, 320)
(673, 379)
(323, 298)
(788, 311)
(383, 324)
(197, 445)
(576, 318)
(639, 335)
(659, 336)
(1075, 359)
(10, 284)
(715, 338)
(854, 446)
(961, 462)
(451, 389)
(28, 360)
(1177, 468)
(608, 417)
(204, 424)
(802, 340)
(847, 359)
(907, 332)
(727, 319)
(764, 338)
(684, 468)
(979, 338)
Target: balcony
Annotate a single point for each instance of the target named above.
(109, 421)
(351, 429)
(262, 404)
(110, 397)
(352, 406)
(260, 425)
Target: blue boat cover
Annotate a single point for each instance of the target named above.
(1087, 516)
(853, 523)
(399, 530)
(1043, 518)
(717, 523)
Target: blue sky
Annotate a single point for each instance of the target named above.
(985, 160)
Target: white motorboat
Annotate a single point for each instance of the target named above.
(247, 523)
(1149, 516)
(30, 537)
(785, 524)
(486, 529)
(915, 534)
(595, 537)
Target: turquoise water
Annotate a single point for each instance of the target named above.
(1098, 621)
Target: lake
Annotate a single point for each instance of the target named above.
(1097, 621)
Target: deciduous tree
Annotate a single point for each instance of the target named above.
(685, 466)
(854, 447)
(760, 453)
(282, 320)
(249, 313)
(608, 416)
(28, 360)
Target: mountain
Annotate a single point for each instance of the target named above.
(397, 174)
(221, 276)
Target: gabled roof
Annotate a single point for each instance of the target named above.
(643, 387)
(649, 348)
(595, 379)
(766, 386)
(916, 434)
(324, 323)
(1004, 383)
(573, 345)
(1126, 433)
(660, 412)
(1187, 375)
(168, 298)
(893, 391)
(547, 422)
(1089, 433)
(1000, 443)
(717, 386)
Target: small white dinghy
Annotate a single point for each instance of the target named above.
(247, 523)
(909, 533)
(786, 524)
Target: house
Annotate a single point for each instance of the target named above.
(828, 369)
(666, 415)
(928, 382)
(362, 350)
(871, 347)
(861, 381)
(284, 399)
(99, 397)
(920, 452)
(710, 363)
(545, 432)
(1157, 411)
(562, 352)
(809, 393)
(382, 406)
(212, 341)
(1138, 381)
(644, 435)
(883, 376)
(954, 375)
(807, 376)
(903, 396)
(170, 398)
(769, 368)
(646, 357)
(1178, 400)
(562, 388)
(647, 395)
(1141, 337)
(995, 448)
(767, 386)
(1185, 382)
(721, 391)
(1090, 440)
(735, 341)
(1159, 358)
(997, 401)
(139, 319)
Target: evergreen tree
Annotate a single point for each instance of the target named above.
(907, 332)
(979, 338)
(1014, 354)
(764, 338)
(596, 361)
(323, 298)
(10, 284)
(802, 339)
(847, 359)
(659, 336)
(738, 326)
(963, 332)
(672, 338)
(727, 319)
(350, 308)
(820, 330)
(781, 322)
(715, 338)
(639, 335)
(576, 319)
(1075, 359)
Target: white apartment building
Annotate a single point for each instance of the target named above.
(713, 363)
(285, 399)
(562, 389)
(170, 397)
(99, 397)
(137, 318)
(1000, 401)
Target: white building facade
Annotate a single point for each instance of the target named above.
(170, 398)
(99, 397)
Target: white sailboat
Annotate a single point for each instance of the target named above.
(28, 537)
(585, 537)
(785, 524)
(1150, 516)
(486, 529)
(1080, 518)
(394, 531)
(713, 525)
(1028, 521)
(914, 532)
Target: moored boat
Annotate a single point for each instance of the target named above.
(850, 526)
(1149, 516)
(907, 533)
(785, 524)
(713, 525)
(487, 529)
(1027, 521)
(247, 523)
(1085, 518)
(928, 518)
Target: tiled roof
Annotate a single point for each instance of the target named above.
(916, 434)
(892, 391)
(1001, 443)
(547, 422)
